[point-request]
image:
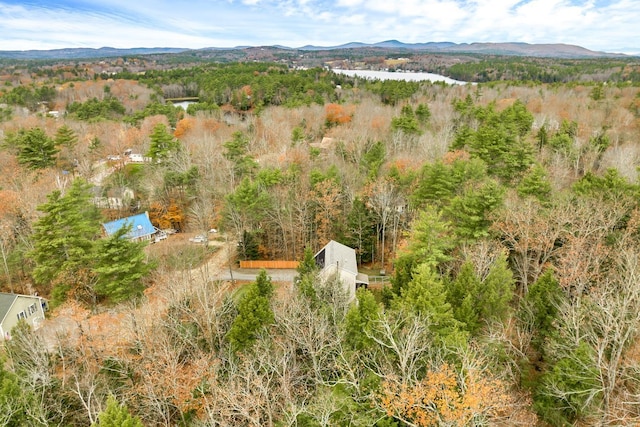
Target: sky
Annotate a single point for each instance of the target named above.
(600, 25)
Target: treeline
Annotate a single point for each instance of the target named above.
(243, 86)
(544, 70)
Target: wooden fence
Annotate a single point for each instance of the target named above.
(269, 264)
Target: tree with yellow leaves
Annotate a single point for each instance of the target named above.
(444, 397)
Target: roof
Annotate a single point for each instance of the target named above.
(342, 255)
(140, 226)
(6, 301)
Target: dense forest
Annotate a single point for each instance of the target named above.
(505, 213)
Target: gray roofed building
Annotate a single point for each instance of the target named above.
(16, 307)
(338, 259)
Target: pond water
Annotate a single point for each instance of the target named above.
(183, 104)
(409, 77)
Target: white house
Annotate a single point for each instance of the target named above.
(16, 307)
(336, 259)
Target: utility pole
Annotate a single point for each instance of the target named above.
(226, 239)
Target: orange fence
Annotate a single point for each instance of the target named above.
(269, 264)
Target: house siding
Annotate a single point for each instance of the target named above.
(347, 278)
(336, 259)
(27, 307)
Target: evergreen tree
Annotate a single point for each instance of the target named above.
(236, 153)
(406, 122)
(306, 278)
(570, 389)
(120, 267)
(116, 415)
(426, 295)
(254, 313)
(163, 145)
(249, 246)
(423, 113)
(438, 182)
(496, 293)
(462, 294)
(536, 184)
(372, 159)
(66, 137)
(360, 233)
(540, 307)
(35, 149)
(64, 238)
(430, 243)
(246, 207)
(308, 264)
(360, 318)
(66, 140)
(470, 211)
(499, 139)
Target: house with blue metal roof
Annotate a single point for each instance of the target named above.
(141, 227)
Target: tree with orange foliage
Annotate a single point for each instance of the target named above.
(444, 397)
(336, 114)
(171, 216)
(183, 126)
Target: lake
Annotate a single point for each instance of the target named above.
(409, 77)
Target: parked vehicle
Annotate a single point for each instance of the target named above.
(160, 235)
(198, 239)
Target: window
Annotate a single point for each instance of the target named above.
(21, 315)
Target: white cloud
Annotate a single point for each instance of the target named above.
(226, 23)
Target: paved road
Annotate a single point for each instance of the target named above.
(284, 275)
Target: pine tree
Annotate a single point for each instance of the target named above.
(36, 149)
(64, 237)
(163, 144)
(426, 296)
(360, 318)
(470, 211)
(423, 113)
(254, 313)
(305, 280)
(308, 264)
(536, 184)
(496, 292)
(541, 307)
(120, 267)
(430, 243)
(66, 137)
(236, 153)
(116, 415)
(462, 294)
(360, 233)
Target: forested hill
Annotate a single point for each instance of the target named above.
(389, 47)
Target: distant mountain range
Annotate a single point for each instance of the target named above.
(557, 50)
(82, 52)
